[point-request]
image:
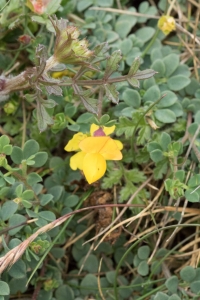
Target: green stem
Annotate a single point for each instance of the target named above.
(150, 43)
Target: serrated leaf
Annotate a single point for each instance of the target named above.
(112, 63)
(134, 67)
(49, 103)
(43, 117)
(133, 82)
(112, 93)
(54, 89)
(141, 75)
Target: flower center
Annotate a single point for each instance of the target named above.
(99, 132)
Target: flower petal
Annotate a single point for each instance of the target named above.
(119, 144)
(93, 128)
(73, 144)
(104, 145)
(109, 130)
(76, 161)
(94, 167)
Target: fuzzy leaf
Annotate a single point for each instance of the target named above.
(112, 93)
(112, 63)
(43, 117)
(133, 82)
(141, 75)
(54, 89)
(134, 67)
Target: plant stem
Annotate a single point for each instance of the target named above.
(150, 43)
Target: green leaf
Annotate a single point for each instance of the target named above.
(156, 155)
(14, 221)
(194, 181)
(165, 140)
(143, 268)
(45, 199)
(8, 209)
(83, 4)
(33, 178)
(160, 169)
(141, 75)
(71, 201)
(19, 190)
(18, 270)
(47, 215)
(39, 19)
(188, 273)
(4, 288)
(18, 285)
(125, 126)
(169, 99)
(134, 67)
(192, 196)
(145, 33)
(172, 284)
(31, 147)
(133, 82)
(40, 159)
(28, 195)
(56, 192)
(143, 252)
(90, 265)
(63, 291)
(17, 155)
(159, 66)
(195, 287)
(152, 94)
(161, 296)
(52, 6)
(178, 82)
(171, 62)
(125, 23)
(112, 63)
(112, 93)
(43, 117)
(165, 116)
(88, 283)
(7, 149)
(131, 98)
(110, 276)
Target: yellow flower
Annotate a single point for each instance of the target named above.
(94, 150)
(166, 24)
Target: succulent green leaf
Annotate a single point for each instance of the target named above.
(188, 273)
(40, 159)
(165, 116)
(4, 288)
(8, 209)
(143, 268)
(172, 284)
(171, 62)
(156, 155)
(178, 82)
(143, 252)
(17, 155)
(131, 98)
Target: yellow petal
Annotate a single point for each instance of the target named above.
(73, 144)
(166, 24)
(103, 145)
(76, 161)
(109, 130)
(106, 130)
(93, 128)
(119, 144)
(94, 167)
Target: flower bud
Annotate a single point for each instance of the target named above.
(68, 49)
(166, 24)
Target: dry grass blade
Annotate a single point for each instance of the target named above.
(13, 255)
